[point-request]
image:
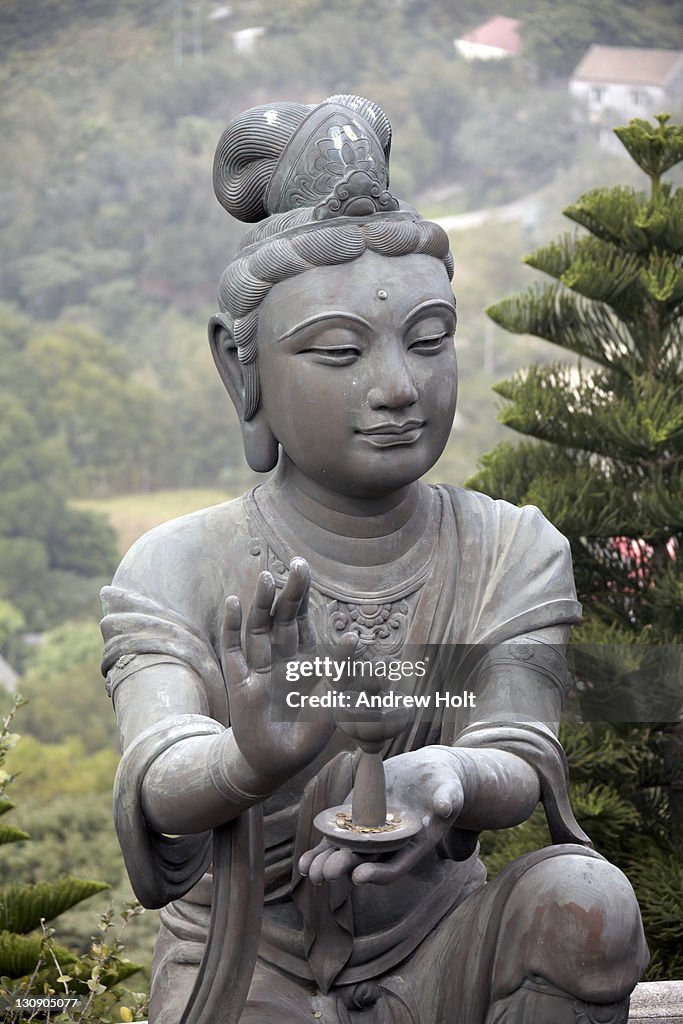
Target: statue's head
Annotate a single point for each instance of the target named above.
(335, 332)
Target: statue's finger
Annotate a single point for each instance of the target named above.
(234, 666)
(306, 859)
(339, 863)
(307, 637)
(347, 649)
(288, 604)
(385, 872)
(257, 636)
(316, 872)
(231, 638)
(447, 800)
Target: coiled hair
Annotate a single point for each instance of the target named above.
(289, 242)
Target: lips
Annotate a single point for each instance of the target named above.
(387, 434)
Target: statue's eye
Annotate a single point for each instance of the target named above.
(432, 343)
(334, 355)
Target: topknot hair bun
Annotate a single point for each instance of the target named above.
(370, 112)
(247, 153)
(252, 144)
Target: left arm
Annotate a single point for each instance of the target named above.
(477, 783)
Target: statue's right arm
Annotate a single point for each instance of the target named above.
(199, 781)
(192, 773)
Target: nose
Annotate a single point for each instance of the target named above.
(395, 388)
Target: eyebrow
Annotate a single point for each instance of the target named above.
(329, 315)
(429, 304)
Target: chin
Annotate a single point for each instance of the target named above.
(381, 480)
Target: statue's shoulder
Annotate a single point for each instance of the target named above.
(494, 520)
(514, 568)
(183, 552)
(194, 530)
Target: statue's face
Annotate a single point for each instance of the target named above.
(358, 371)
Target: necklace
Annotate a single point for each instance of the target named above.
(380, 618)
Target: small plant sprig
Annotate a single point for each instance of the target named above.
(102, 969)
(8, 740)
(82, 990)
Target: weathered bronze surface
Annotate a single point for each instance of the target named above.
(334, 340)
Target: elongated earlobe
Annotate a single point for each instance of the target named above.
(261, 450)
(260, 446)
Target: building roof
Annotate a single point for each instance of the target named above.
(499, 32)
(627, 65)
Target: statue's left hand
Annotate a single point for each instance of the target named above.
(431, 784)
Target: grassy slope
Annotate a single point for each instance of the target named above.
(131, 515)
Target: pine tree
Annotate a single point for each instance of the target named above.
(604, 463)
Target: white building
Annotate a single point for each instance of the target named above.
(245, 39)
(8, 677)
(622, 82)
(494, 40)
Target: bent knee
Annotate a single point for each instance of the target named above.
(573, 919)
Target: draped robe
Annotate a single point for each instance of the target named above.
(495, 573)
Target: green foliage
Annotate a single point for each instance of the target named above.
(46, 771)
(33, 964)
(605, 463)
(12, 834)
(67, 702)
(554, 402)
(93, 978)
(49, 553)
(9, 833)
(656, 149)
(19, 954)
(11, 621)
(613, 466)
(23, 907)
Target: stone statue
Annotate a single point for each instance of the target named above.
(335, 343)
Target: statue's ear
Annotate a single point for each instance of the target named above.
(224, 352)
(261, 449)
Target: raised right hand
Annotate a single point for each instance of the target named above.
(274, 749)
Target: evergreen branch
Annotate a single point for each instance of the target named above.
(611, 214)
(662, 278)
(655, 148)
(594, 268)
(662, 500)
(573, 489)
(588, 328)
(630, 220)
(19, 954)
(553, 259)
(600, 270)
(5, 805)
(583, 503)
(670, 365)
(594, 804)
(12, 834)
(660, 893)
(505, 471)
(640, 421)
(662, 219)
(598, 752)
(22, 907)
